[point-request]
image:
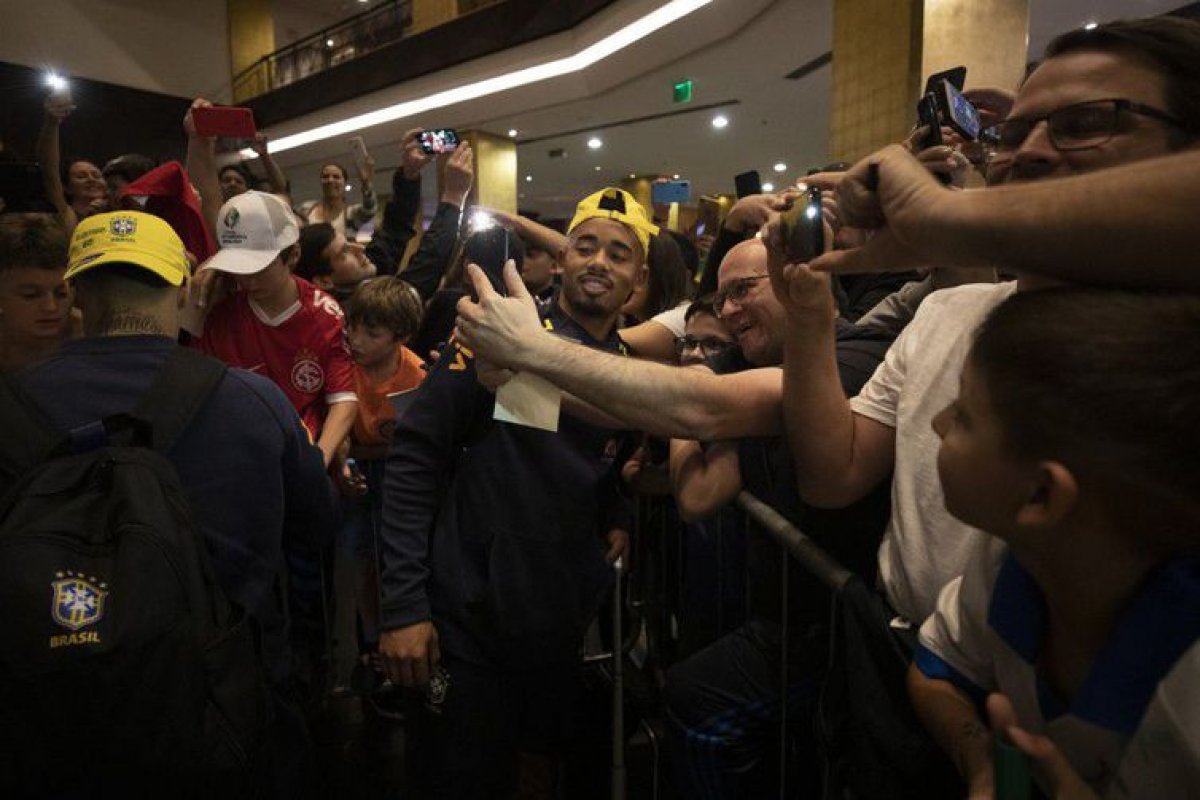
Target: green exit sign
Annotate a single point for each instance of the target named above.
(683, 92)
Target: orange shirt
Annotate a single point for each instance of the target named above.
(376, 417)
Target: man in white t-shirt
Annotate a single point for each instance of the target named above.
(844, 448)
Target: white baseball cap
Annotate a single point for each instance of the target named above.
(252, 230)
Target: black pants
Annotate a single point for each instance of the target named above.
(466, 748)
(724, 709)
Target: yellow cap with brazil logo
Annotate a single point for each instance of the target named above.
(618, 205)
(128, 237)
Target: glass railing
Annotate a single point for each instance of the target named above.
(352, 38)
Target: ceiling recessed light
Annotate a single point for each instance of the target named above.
(720, 121)
(329, 42)
(768, 187)
(597, 169)
(512, 132)
(529, 179)
(595, 143)
(632, 176)
(780, 166)
(675, 177)
(1091, 26)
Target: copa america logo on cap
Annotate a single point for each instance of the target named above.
(122, 226)
(230, 236)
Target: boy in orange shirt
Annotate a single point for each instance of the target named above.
(381, 315)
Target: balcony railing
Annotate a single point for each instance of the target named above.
(350, 39)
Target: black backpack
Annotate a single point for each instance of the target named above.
(123, 666)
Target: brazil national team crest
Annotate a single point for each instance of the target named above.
(122, 226)
(78, 600)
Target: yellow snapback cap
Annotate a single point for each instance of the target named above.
(128, 237)
(618, 205)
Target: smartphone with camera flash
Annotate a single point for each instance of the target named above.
(803, 228)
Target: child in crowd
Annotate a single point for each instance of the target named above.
(35, 301)
(1074, 441)
(280, 325)
(382, 315)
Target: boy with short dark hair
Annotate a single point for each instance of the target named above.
(1073, 441)
(382, 314)
(35, 301)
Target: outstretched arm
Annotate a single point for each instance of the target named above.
(49, 157)
(202, 167)
(1125, 226)
(275, 176)
(662, 400)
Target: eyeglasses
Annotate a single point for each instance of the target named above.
(709, 346)
(1074, 127)
(735, 290)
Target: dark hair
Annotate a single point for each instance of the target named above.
(691, 256)
(240, 169)
(1107, 382)
(112, 276)
(669, 282)
(129, 166)
(314, 239)
(1173, 43)
(385, 302)
(705, 304)
(32, 240)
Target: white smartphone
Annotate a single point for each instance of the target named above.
(360, 149)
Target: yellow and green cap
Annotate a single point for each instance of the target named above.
(128, 237)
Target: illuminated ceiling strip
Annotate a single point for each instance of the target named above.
(639, 29)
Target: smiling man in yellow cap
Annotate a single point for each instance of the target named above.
(491, 617)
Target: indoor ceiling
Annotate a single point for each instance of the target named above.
(626, 103)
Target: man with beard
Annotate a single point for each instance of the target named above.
(497, 538)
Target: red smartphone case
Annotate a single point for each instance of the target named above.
(228, 121)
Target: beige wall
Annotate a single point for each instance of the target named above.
(989, 36)
(123, 42)
(884, 49)
(876, 73)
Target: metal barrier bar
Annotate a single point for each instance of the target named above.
(822, 566)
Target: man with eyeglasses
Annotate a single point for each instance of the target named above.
(1120, 93)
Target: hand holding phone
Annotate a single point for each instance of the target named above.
(439, 140)
(359, 148)
(802, 228)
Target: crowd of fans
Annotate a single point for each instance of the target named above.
(981, 399)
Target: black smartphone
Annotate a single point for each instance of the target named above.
(21, 188)
(803, 228)
(927, 114)
(489, 249)
(439, 140)
(958, 111)
(747, 183)
(956, 75)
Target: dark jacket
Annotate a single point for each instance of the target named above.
(254, 480)
(494, 530)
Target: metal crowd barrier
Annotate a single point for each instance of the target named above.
(656, 598)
